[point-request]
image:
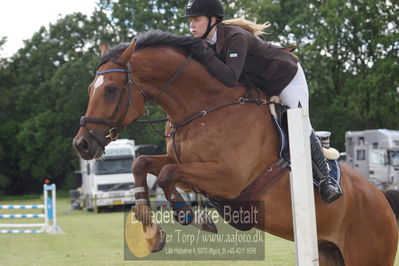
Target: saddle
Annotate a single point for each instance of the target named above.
(245, 202)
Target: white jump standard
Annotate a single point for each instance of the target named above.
(49, 226)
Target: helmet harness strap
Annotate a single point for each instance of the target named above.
(208, 30)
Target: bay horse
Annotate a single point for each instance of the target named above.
(221, 151)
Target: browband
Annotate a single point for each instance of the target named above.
(112, 70)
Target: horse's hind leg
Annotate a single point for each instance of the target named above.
(373, 244)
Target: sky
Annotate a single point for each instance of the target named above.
(20, 19)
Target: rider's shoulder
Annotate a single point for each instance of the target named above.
(232, 28)
(230, 31)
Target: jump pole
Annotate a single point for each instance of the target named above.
(302, 193)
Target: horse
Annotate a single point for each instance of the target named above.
(219, 143)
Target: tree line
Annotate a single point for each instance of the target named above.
(349, 51)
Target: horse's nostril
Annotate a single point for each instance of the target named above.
(83, 145)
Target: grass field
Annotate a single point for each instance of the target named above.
(97, 239)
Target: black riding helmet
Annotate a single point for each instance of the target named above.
(209, 8)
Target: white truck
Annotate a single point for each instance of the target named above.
(108, 181)
(375, 154)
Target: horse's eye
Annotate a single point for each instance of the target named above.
(111, 89)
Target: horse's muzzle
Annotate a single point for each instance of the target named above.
(87, 148)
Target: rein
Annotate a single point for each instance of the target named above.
(241, 100)
(163, 89)
(203, 113)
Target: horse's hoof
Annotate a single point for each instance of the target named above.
(155, 236)
(203, 222)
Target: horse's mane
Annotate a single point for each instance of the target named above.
(160, 38)
(155, 38)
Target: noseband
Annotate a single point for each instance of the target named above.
(115, 128)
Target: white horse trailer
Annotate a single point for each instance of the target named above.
(375, 154)
(108, 181)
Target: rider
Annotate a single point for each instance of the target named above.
(234, 54)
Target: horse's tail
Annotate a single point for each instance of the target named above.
(393, 199)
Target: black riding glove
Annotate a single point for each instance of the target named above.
(202, 52)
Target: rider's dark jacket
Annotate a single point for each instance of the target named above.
(241, 57)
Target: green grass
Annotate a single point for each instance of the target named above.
(97, 239)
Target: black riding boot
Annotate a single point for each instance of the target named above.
(329, 190)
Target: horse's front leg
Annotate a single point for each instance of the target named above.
(209, 177)
(144, 164)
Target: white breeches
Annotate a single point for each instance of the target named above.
(297, 93)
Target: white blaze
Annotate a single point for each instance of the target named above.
(99, 82)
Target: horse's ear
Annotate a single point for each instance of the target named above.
(125, 57)
(104, 49)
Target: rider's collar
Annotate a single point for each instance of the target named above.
(213, 40)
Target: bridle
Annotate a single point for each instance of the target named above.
(115, 128)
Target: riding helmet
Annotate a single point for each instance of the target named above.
(204, 7)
